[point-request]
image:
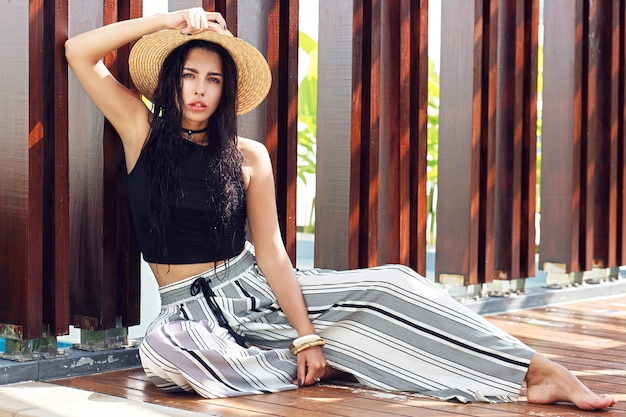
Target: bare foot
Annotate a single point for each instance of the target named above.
(548, 382)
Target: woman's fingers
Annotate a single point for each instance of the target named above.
(218, 18)
(198, 20)
(311, 366)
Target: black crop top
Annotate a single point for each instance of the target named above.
(187, 236)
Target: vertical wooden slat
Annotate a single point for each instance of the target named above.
(21, 164)
(488, 186)
(56, 185)
(282, 112)
(86, 188)
(561, 193)
(528, 248)
(333, 237)
(513, 213)
(32, 235)
(407, 58)
(370, 139)
(105, 265)
(461, 112)
(601, 114)
(386, 214)
(360, 94)
(127, 261)
(389, 198)
(582, 62)
(365, 132)
(621, 132)
(414, 117)
(508, 141)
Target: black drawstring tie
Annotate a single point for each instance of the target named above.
(203, 284)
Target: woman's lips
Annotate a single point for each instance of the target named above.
(197, 106)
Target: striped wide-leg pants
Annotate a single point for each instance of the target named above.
(389, 327)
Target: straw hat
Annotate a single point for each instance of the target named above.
(254, 77)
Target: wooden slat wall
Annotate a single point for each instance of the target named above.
(621, 134)
(334, 243)
(381, 207)
(56, 254)
(582, 195)
(515, 149)
(463, 98)
(34, 292)
(602, 128)
(282, 111)
(104, 272)
(21, 163)
(75, 259)
(487, 131)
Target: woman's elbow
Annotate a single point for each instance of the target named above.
(69, 50)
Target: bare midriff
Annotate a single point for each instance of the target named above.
(169, 274)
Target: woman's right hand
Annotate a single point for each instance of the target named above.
(196, 20)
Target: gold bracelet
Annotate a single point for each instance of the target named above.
(305, 346)
(303, 340)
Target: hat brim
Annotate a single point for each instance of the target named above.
(254, 77)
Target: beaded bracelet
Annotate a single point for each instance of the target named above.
(305, 342)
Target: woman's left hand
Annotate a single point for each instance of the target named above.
(311, 366)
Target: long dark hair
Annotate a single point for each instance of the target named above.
(165, 146)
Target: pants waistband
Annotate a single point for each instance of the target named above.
(180, 290)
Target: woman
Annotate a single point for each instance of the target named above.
(237, 319)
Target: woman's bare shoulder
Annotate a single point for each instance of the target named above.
(254, 152)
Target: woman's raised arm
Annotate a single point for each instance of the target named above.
(84, 55)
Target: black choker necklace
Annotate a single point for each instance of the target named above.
(189, 133)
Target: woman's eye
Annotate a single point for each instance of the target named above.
(187, 75)
(214, 79)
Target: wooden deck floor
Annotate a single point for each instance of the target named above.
(588, 337)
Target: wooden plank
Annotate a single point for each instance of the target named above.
(21, 166)
(509, 142)
(55, 185)
(621, 133)
(104, 270)
(389, 198)
(602, 129)
(126, 258)
(514, 200)
(333, 236)
(414, 120)
(357, 120)
(561, 147)
(282, 112)
(460, 130)
(561, 332)
(528, 246)
(86, 187)
(487, 211)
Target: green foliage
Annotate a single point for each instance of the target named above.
(307, 110)
(307, 120)
(433, 152)
(307, 126)
(433, 122)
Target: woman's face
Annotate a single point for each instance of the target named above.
(201, 87)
